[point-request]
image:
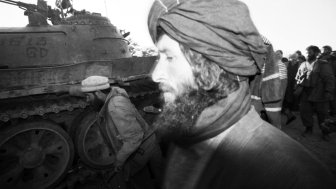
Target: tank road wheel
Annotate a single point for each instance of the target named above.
(76, 122)
(34, 155)
(91, 147)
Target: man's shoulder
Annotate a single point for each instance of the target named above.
(302, 64)
(322, 61)
(323, 65)
(119, 98)
(251, 124)
(256, 130)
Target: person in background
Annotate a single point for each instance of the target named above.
(268, 108)
(271, 111)
(285, 61)
(132, 140)
(326, 55)
(290, 101)
(300, 56)
(332, 62)
(317, 80)
(209, 54)
(283, 85)
(296, 104)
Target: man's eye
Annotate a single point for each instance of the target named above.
(169, 58)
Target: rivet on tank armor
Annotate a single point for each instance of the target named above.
(4, 117)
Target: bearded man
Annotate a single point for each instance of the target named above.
(317, 79)
(208, 50)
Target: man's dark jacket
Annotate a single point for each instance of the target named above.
(251, 154)
(321, 82)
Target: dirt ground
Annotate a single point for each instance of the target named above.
(324, 150)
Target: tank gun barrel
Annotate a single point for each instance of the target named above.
(22, 5)
(37, 14)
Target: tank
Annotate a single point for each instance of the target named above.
(44, 131)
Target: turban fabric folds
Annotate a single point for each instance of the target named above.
(221, 30)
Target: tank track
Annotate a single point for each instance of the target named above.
(41, 105)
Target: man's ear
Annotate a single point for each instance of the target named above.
(90, 97)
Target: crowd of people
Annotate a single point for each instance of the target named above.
(310, 87)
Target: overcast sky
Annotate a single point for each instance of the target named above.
(289, 24)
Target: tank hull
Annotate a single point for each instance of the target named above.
(84, 38)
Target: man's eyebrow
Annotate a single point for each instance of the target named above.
(164, 50)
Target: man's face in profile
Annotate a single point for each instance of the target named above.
(182, 101)
(172, 71)
(326, 50)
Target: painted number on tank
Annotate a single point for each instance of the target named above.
(36, 48)
(34, 52)
(13, 41)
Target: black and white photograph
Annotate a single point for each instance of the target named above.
(167, 94)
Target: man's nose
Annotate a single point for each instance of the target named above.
(158, 73)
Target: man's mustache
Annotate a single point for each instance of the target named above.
(166, 88)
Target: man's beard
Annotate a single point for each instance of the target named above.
(311, 58)
(178, 119)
